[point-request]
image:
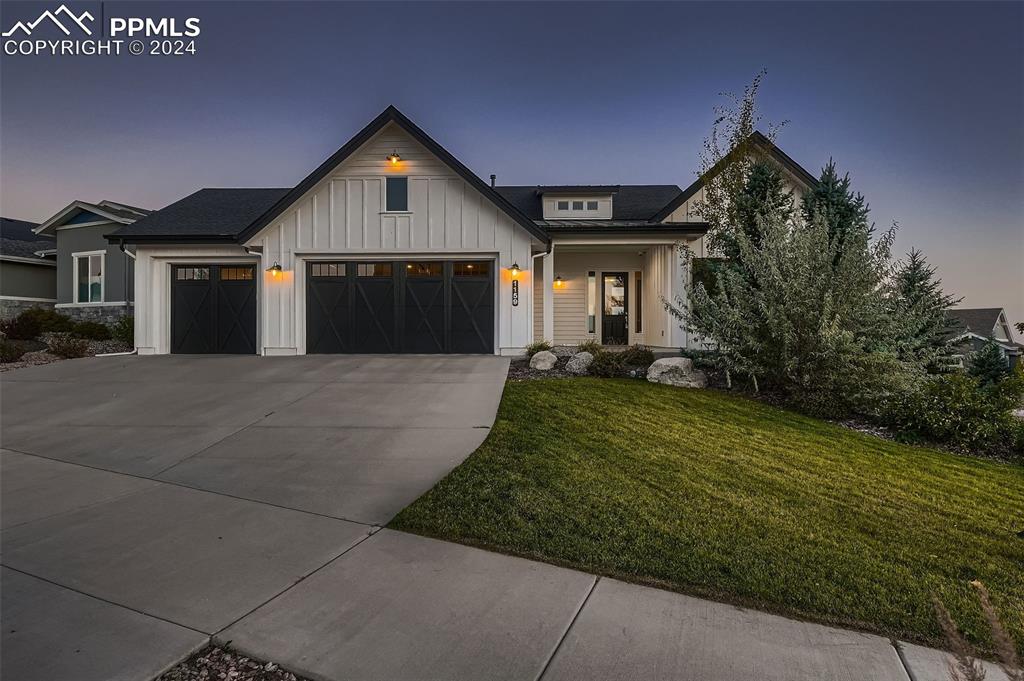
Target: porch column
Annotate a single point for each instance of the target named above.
(549, 295)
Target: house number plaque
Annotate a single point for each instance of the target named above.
(515, 293)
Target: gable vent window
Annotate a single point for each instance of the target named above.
(396, 195)
(591, 205)
(577, 205)
(563, 205)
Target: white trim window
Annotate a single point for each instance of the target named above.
(88, 276)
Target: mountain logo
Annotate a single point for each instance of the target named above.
(28, 27)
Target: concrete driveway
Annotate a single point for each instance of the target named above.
(149, 502)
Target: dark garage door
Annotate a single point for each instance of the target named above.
(213, 309)
(423, 306)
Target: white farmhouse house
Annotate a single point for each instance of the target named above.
(394, 246)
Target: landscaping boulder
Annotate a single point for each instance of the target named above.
(564, 351)
(543, 360)
(579, 363)
(677, 371)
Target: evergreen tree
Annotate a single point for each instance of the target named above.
(919, 306)
(989, 365)
(834, 203)
(764, 194)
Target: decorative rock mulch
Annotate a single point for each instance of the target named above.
(37, 357)
(30, 359)
(216, 663)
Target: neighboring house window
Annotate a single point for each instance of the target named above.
(591, 205)
(591, 301)
(577, 205)
(88, 277)
(563, 205)
(639, 314)
(397, 195)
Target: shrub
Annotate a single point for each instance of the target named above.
(591, 346)
(50, 320)
(91, 331)
(637, 356)
(10, 351)
(957, 410)
(67, 346)
(22, 327)
(124, 330)
(607, 364)
(533, 348)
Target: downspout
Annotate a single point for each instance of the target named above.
(533, 273)
(126, 301)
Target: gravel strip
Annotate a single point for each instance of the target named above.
(215, 663)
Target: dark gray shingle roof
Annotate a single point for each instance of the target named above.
(630, 201)
(208, 214)
(980, 320)
(24, 249)
(18, 229)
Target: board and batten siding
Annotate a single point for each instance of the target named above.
(343, 216)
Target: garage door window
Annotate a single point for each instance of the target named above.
(373, 269)
(424, 269)
(327, 269)
(236, 273)
(471, 269)
(193, 273)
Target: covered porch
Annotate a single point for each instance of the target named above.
(610, 290)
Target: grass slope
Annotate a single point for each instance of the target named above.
(729, 498)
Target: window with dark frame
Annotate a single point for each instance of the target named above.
(396, 194)
(591, 205)
(563, 205)
(577, 205)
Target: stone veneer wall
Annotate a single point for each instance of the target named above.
(12, 308)
(105, 314)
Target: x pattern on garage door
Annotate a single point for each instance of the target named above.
(433, 306)
(213, 309)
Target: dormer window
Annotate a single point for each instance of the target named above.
(577, 205)
(563, 205)
(583, 206)
(591, 205)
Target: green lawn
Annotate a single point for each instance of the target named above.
(728, 498)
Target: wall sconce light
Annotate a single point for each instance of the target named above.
(394, 158)
(275, 269)
(514, 270)
(559, 282)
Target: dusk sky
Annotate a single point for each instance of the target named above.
(922, 103)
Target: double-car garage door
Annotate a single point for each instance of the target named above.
(423, 306)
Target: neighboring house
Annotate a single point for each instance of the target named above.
(95, 278)
(393, 245)
(974, 328)
(28, 270)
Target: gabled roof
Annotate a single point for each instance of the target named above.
(107, 210)
(390, 115)
(630, 202)
(757, 139)
(980, 320)
(208, 215)
(19, 240)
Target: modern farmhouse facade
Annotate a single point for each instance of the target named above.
(393, 245)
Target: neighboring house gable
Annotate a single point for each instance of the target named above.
(973, 327)
(91, 271)
(27, 272)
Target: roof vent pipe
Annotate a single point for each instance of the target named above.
(493, 178)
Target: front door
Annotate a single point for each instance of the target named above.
(615, 308)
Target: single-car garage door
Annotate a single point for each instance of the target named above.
(213, 309)
(422, 306)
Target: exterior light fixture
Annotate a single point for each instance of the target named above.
(514, 270)
(559, 282)
(275, 269)
(394, 158)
